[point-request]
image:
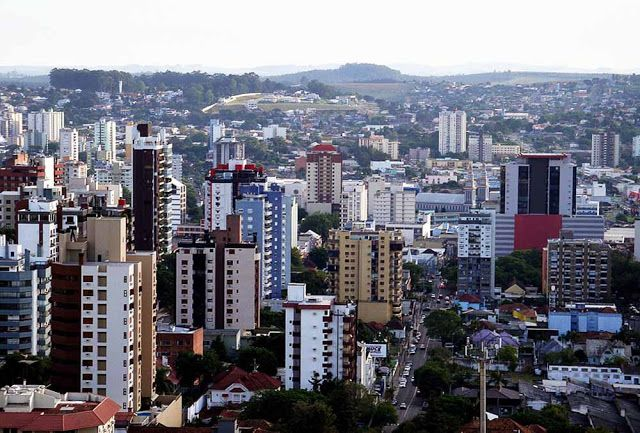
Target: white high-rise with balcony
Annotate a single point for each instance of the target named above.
(104, 138)
(68, 144)
(353, 205)
(47, 122)
(452, 132)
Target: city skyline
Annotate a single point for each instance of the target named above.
(506, 39)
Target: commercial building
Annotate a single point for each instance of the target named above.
(605, 149)
(324, 179)
(379, 143)
(20, 170)
(68, 144)
(35, 408)
(480, 147)
(576, 270)
(500, 151)
(452, 132)
(319, 339)
(366, 267)
(218, 281)
(104, 139)
(46, 124)
(585, 320)
(538, 183)
(353, 204)
(476, 254)
(221, 188)
(151, 194)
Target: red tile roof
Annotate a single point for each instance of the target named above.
(467, 297)
(324, 147)
(254, 381)
(502, 425)
(82, 416)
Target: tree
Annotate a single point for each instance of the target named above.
(316, 281)
(433, 378)
(31, 369)
(275, 406)
(166, 281)
(271, 319)
(162, 384)
(320, 223)
(416, 272)
(625, 274)
(313, 417)
(445, 325)
(296, 260)
(563, 357)
(523, 267)
(192, 367)
(445, 414)
(258, 357)
(383, 414)
(320, 257)
(554, 418)
(509, 355)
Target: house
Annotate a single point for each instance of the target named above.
(468, 301)
(502, 425)
(518, 311)
(514, 292)
(236, 386)
(493, 340)
(581, 319)
(500, 401)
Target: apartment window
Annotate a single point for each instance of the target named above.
(124, 279)
(87, 307)
(102, 308)
(87, 376)
(102, 281)
(87, 293)
(102, 337)
(87, 278)
(102, 391)
(102, 350)
(87, 363)
(102, 323)
(87, 348)
(87, 334)
(102, 379)
(87, 321)
(102, 365)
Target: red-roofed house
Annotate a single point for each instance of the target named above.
(34, 408)
(236, 386)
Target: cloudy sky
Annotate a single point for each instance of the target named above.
(441, 35)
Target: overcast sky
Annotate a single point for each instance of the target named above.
(550, 34)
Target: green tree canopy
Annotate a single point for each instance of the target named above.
(320, 223)
(522, 267)
(445, 325)
(319, 256)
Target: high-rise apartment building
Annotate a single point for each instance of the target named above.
(218, 282)
(452, 132)
(324, 179)
(605, 149)
(576, 270)
(104, 139)
(46, 123)
(104, 315)
(224, 150)
(151, 194)
(538, 183)
(68, 149)
(319, 339)
(176, 166)
(366, 267)
(380, 144)
(178, 203)
(270, 220)
(353, 204)
(480, 147)
(216, 132)
(221, 188)
(11, 127)
(476, 254)
(395, 204)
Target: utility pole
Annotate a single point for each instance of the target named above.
(482, 362)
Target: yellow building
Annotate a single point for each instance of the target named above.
(366, 267)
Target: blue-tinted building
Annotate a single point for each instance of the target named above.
(270, 219)
(585, 321)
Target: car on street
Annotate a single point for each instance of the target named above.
(412, 351)
(403, 405)
(423, 347)
(402, 384)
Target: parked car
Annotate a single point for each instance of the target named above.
(403, 405)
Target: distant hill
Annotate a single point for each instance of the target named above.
(349, 73)
(370, 73)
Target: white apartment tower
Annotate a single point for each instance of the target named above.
(353, 205)
(452, 132)
(104, 138)
(11, 127)
(47, 123)
(395, 204)
(319, 339)
(68, 144)
(178, 203)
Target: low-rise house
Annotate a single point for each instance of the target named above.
(585, 373)
(468, 301)
(236, 386)
(502, 425)
(500, 401)
(34, 408)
